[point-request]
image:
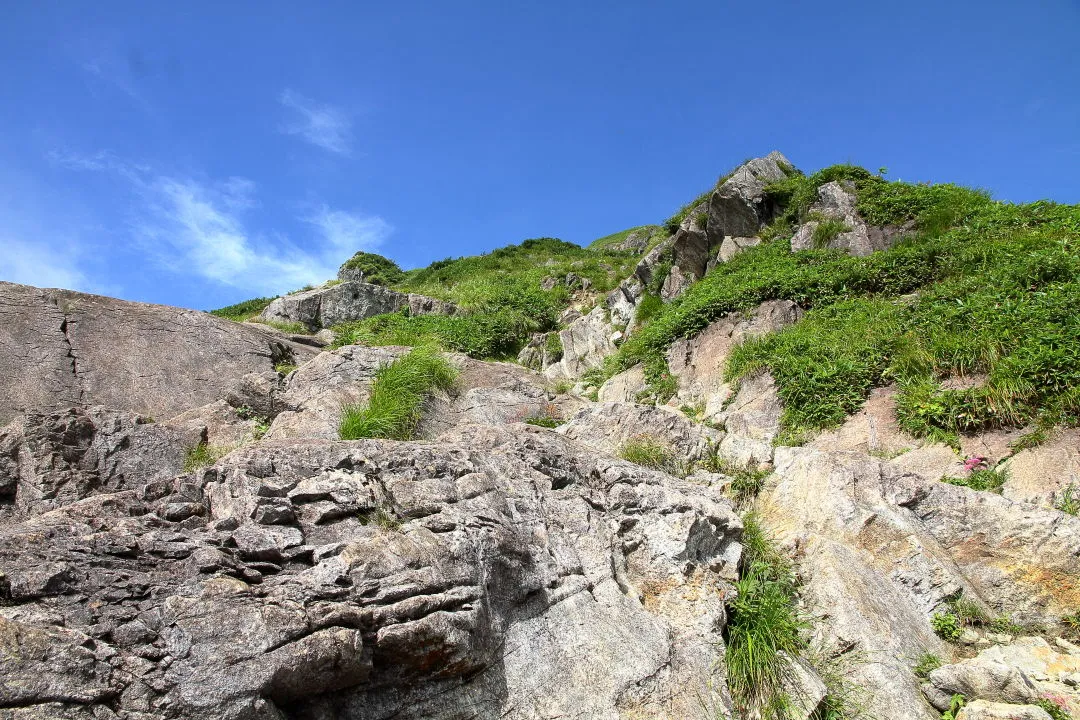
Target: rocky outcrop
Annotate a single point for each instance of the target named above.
(60, 349)
(1046, 474)
(739, 206)
(608, 426)
(329, 305)
(836, 202)
(585, 343)
(880, 549)
(500, 572)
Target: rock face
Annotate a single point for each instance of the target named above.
(739, 206)
(327, 306)
(500, 572)
(60, 349)
(836, 202)
(607, 426)
(881, 548)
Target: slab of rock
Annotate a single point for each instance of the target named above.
(60, 348)
(984, 710)
(751, 421)
(327, 306)
(1043, 474)
(586, 342)
(982, 679)
(624, 387)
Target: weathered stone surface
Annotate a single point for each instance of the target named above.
(751, 421)
(837, 202)
(60, 348)
(586, 342)
(739, 206)
(880, 549)
(699, 361)
(47, 461)
(216, 424)
(1043, 474)
(732, 246)
(623, 387)
(327, 306)
(607, 426)
(983, 710)
(984, 679)
(503, 570)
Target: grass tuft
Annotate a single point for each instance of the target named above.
(397, 396)
(203, 455)
(927, 663)
(652, 452)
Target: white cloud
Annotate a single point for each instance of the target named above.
(349, 232)
(36, 264)
(322, 125)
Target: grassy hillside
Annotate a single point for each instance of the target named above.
(500, 294)
(983, 288)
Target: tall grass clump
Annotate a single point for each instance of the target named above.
(243, 310)
(764, 632)
(397, 397)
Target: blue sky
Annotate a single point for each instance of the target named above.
(201, 153)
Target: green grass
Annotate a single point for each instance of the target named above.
(294, 328)
(608, 241)
(284, 368)
(397, 397)
(826, 231)
(671, 225)
(1053, 709)
(1069, 502)
(203, 455)
(982, 479)
(378, 270)
(653, 453)
(547, 416)
(244, 310)
(927, 663)
(764, 624)
(500, 296)
(995, 283)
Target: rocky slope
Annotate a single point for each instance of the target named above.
(183, 535)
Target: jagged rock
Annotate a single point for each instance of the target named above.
(1051, 671)
(216, 424)
(880, 549)
(623, 302)
(607, 426)
(60, 349)
(699, 361)
(327, 306)
(47, 461)
(837, 202)
(751, 421)
(635, 242)
(739, 206)
(983, 710)
(515, 571)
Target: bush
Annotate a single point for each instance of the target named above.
(397, 396)
(378, 270)
(947, 626)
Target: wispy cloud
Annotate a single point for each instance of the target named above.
(41, 265)
(203, 227)
(322, 125)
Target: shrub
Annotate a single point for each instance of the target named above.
(956, 704)
(397, 396)
(947, 626)
(1056, 708)
(764, 627)
(652, 452)
(378, 270)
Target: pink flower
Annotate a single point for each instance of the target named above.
(974, 462)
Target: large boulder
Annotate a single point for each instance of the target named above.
(60, 349)
(326, 306)
(607, 426)
(739, 206)
(499, 572)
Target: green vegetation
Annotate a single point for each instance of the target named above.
(927, 663)
(996, 285)
(547, 416)
(1069, 502)
(293, 328)
(956, 704)
(609, 241)
(203, 455)
(244, 310)
(826, 231)
(764, 629)
(397, 397)
(652, 452)
(982, 479)
(746, 479)
(1054, 710)
(671, 225)
(381, 518)
(947, 626)
(378, 270)
(284, 368)
(500, 296)
(553, 346)
(1072, 623)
